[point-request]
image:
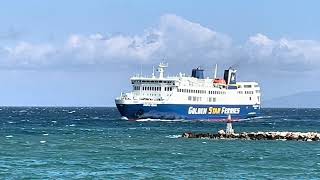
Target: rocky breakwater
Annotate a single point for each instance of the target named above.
(283, 136)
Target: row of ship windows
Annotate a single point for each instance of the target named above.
(195, 98)
(160, 81)
(246, 92)
(200, 91)
(248, 86)
(147, 88)
(152, 81)
(192, 98)
(217, 92)
(192, 91)
(209, 99)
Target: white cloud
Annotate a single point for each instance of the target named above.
(27, 54)
(174, 38)
(183, 40)
(99, 49)
(283, 52)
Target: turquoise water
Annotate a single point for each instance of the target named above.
(94, 143)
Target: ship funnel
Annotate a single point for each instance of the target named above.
(230, 76)
(197, 73)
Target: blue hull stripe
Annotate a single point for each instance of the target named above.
(187, 111)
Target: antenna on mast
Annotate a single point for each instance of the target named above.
(215, 71)
(140, 70)
(161, 68)
(153, 72)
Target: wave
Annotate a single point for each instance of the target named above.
(71, 112)
(124, 118)
(161, 120)
(256, 118)
(174, 136)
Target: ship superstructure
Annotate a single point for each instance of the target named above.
(189, 97)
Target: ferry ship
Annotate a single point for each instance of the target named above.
(192, 97)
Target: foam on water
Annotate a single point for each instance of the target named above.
(124, 118)
(71, 112)
(160, 120)
(174, 136)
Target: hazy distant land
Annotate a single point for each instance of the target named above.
(309, 99)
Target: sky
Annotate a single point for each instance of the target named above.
(82, 53)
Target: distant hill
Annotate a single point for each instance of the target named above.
(300, 100)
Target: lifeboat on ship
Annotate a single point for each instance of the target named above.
(219, 81)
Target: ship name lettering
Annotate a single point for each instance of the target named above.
(226, 110)
(193, 110)
(214, 110)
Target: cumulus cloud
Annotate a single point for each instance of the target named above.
(284, 52)
(27, 54)
(174, 38)
(185, 40)
(98, 49)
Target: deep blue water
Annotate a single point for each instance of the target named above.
(93, 143)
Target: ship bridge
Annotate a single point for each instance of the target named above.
(154, 88)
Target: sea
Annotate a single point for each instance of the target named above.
(95, 143)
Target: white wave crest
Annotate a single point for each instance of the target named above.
(173, 136)
(160, 120)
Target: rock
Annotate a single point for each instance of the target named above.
(251, 136)
(243, 135)
(185, 135)
(295, 136)
(221, 132)
(188, 135)
(289, 136)
(270, 136)
(260, 136)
